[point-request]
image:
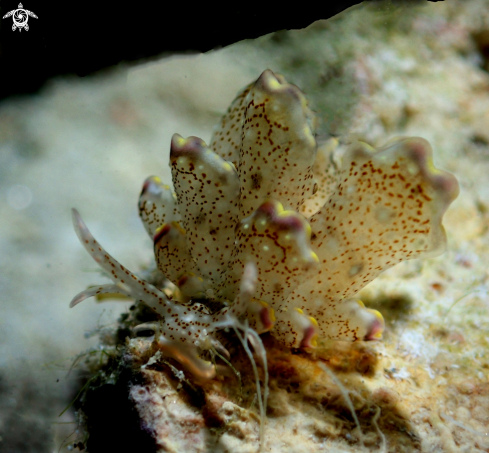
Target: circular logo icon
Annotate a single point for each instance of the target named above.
(20, 18)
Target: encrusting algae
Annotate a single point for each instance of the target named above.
(264, 231)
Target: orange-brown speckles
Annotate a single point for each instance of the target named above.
(375, 210)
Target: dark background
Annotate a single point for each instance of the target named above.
(85, 37)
